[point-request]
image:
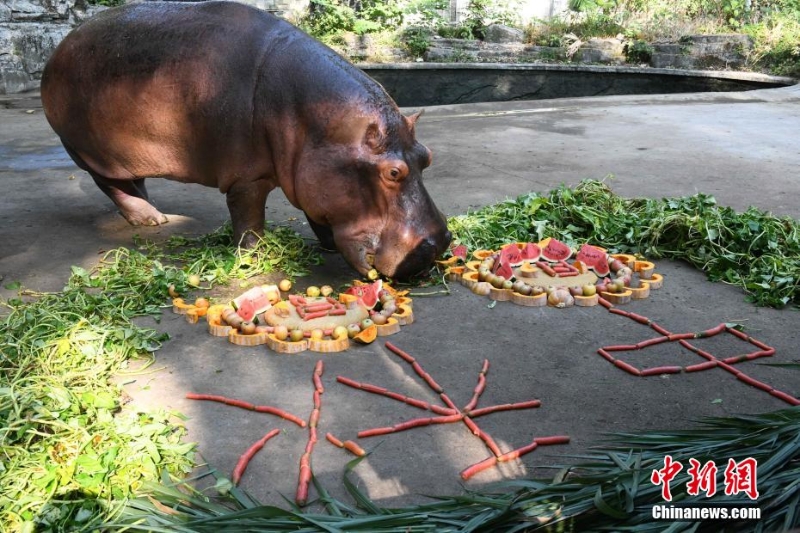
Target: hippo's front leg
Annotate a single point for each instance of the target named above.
(246, 202)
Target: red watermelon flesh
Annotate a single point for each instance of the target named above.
(510, 255)
(246, 310)
(503, 268)
(594, 258)
(367, 294)
(554, 251)
(460, 251)
(251, 303)
(531, 252)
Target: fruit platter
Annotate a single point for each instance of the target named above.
(318, 320)
(550, 273)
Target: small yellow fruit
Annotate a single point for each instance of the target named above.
(273, 296)
(317, 334)
(201, 303)
(340, 333)
(326, 290)
(247, 328)
(296, 335)
(193, 280)
(313, 291)
(372, 275)
(285, 285)
(281, 332)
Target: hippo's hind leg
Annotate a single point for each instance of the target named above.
(130, 196)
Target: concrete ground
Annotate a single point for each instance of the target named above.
(740, 147)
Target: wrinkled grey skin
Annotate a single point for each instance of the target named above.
(231, 97)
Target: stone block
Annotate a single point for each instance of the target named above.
(500, 33)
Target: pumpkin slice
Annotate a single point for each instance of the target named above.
(641, 292)
(180, 307)
(404, 315)
(247, 340)
(480, 255)
(501, 295)
(586, 301)
(193, 315)
(367, 335)
(618, 298)
(656, 281)
(539, 300)
(328, 345)
(469, 279)
(391, 327)
(277, 345)
(644, 268)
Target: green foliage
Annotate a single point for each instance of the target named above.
(482, 13)
(777, 43)
(426, 13)
(754, 250)
(637, 51)
(327, 19)
(417, 40)
(70, 453)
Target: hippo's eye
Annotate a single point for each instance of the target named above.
(395, 173)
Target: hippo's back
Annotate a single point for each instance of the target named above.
(150, 88)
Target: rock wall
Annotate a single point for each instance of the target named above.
(31, 29)
(29, 32)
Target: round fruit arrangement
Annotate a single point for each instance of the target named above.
(551, 273)
(318, 320)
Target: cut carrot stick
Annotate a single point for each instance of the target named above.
(658, 370)
(788, 398)
(374, 432)
(504, 407)
(607, 356)
(701, 366)
(349, 382)
(221, 399)
(680, 336)
(244, 460)
(311, 316)
(354, 448)
(754, 382)
(652, 342)
(281, 413)
(391, 347)
(627, 368)
(659, 329)
(519, 452)
(478, 467)
(550, 441)
(605, 303)
(333, 440)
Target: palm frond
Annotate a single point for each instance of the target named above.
(606, 490)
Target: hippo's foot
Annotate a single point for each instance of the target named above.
(140, 212)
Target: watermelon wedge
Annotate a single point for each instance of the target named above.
(594, 258)
(460, 251)
(367, 294)
(510, 255)
(554, 251)
(531, 252)
(253, 302)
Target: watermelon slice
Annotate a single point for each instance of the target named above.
(367, 294)
(594, 258)
(253, 302)
(460, 251)
(531, 252)
(554, 251)
(510, 255)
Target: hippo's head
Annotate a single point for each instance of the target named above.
(360, 185)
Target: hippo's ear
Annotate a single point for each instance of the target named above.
(374, 138)
(411, 121)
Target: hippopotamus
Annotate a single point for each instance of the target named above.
(232, 97)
